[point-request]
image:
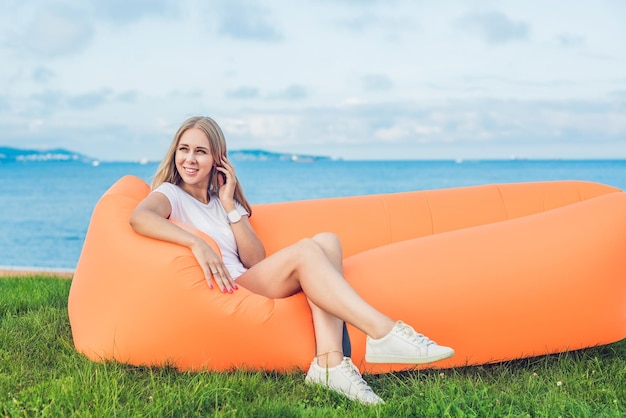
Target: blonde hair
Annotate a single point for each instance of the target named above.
(167, 171)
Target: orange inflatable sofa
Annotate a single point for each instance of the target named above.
(498, 272)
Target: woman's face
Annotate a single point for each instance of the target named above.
(193, 158)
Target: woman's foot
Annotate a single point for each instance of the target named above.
(345, 379)
(404, 345)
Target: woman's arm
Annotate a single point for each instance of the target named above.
(150, 219)
(249, 246)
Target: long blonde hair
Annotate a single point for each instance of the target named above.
(167, 171)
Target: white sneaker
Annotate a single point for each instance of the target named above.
(345, 379)
(404, 345)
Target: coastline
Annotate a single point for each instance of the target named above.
(34, 271)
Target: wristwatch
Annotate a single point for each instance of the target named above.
(233, 216)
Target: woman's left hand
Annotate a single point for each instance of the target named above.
(228, 182)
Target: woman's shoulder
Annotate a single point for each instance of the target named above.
(172, 191)
(166, 186)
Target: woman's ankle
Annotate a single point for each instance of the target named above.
(330, 358)
(383, 329)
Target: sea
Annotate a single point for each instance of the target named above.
(45, 207)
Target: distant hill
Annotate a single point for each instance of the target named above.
(8, 154)
(261, 155)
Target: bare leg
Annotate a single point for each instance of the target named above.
(306, 266)
(328, 328)
(315, 266)
(332, 247)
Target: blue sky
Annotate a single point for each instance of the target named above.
(356, 79)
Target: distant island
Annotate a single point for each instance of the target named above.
(261, 155)
(8, 154)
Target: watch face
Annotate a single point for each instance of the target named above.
(234, 216)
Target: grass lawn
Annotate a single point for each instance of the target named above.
(42, 375)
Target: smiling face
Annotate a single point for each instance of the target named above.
(194, 162)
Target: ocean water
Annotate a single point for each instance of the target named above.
(45, 207)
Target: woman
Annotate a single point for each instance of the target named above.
(197, 185)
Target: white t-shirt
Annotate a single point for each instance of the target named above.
(210, 219)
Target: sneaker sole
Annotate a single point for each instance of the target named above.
(406, 360)
(352, 397)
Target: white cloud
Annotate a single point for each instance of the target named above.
(129, 11)
(495, 27)
(374, 82)
(292, 92)
(243, 92)
(244, 19)
(49, 32)
(358, 79)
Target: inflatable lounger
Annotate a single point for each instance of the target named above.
(498, 272)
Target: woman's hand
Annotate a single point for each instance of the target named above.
(150, 219)
(213, 267)
(227, 182)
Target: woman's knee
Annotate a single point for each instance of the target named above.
(329, 242)
(307, 245)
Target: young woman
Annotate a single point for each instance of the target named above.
(196, 184)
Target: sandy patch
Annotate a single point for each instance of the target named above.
(4, 272)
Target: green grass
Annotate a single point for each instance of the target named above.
(42, 375)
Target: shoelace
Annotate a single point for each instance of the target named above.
(414, 336)
(355, 376)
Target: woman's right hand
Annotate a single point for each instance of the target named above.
(213, 267)
(150, 219)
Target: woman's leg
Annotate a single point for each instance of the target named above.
(315, 266)
(329, 330)
(332, 247)
(306, 266)
(297, 267)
